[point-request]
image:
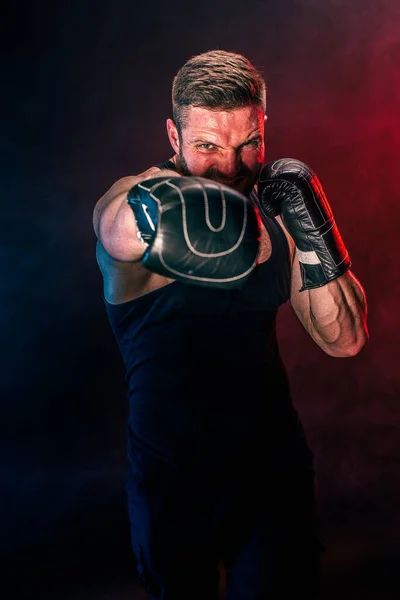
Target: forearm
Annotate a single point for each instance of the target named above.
(118, 231)
(338, 316)
(114, 222)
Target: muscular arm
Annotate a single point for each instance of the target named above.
(335, 315)
(331, 304)
(114, 222)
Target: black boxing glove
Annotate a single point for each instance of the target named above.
(198, 231)
(290, 188)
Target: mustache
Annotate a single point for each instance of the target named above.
(216, 175)
(244, 178)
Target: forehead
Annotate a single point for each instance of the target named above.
(226, 126)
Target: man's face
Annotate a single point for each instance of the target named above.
(226, 146)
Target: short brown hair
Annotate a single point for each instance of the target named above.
(216, 80)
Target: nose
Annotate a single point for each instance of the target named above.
(230, 163)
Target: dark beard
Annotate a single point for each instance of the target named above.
(215, 175)
(181, 165)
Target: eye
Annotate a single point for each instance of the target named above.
(252, 144)
(205, 146)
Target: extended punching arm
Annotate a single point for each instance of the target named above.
(197, 230)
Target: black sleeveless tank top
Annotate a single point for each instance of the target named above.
(201, 361)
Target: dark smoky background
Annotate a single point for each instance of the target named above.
(85, 96)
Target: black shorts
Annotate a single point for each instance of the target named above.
(258, 522)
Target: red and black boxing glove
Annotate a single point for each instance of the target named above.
(288, 187)
(197, 230)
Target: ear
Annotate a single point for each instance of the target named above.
(173, 135)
